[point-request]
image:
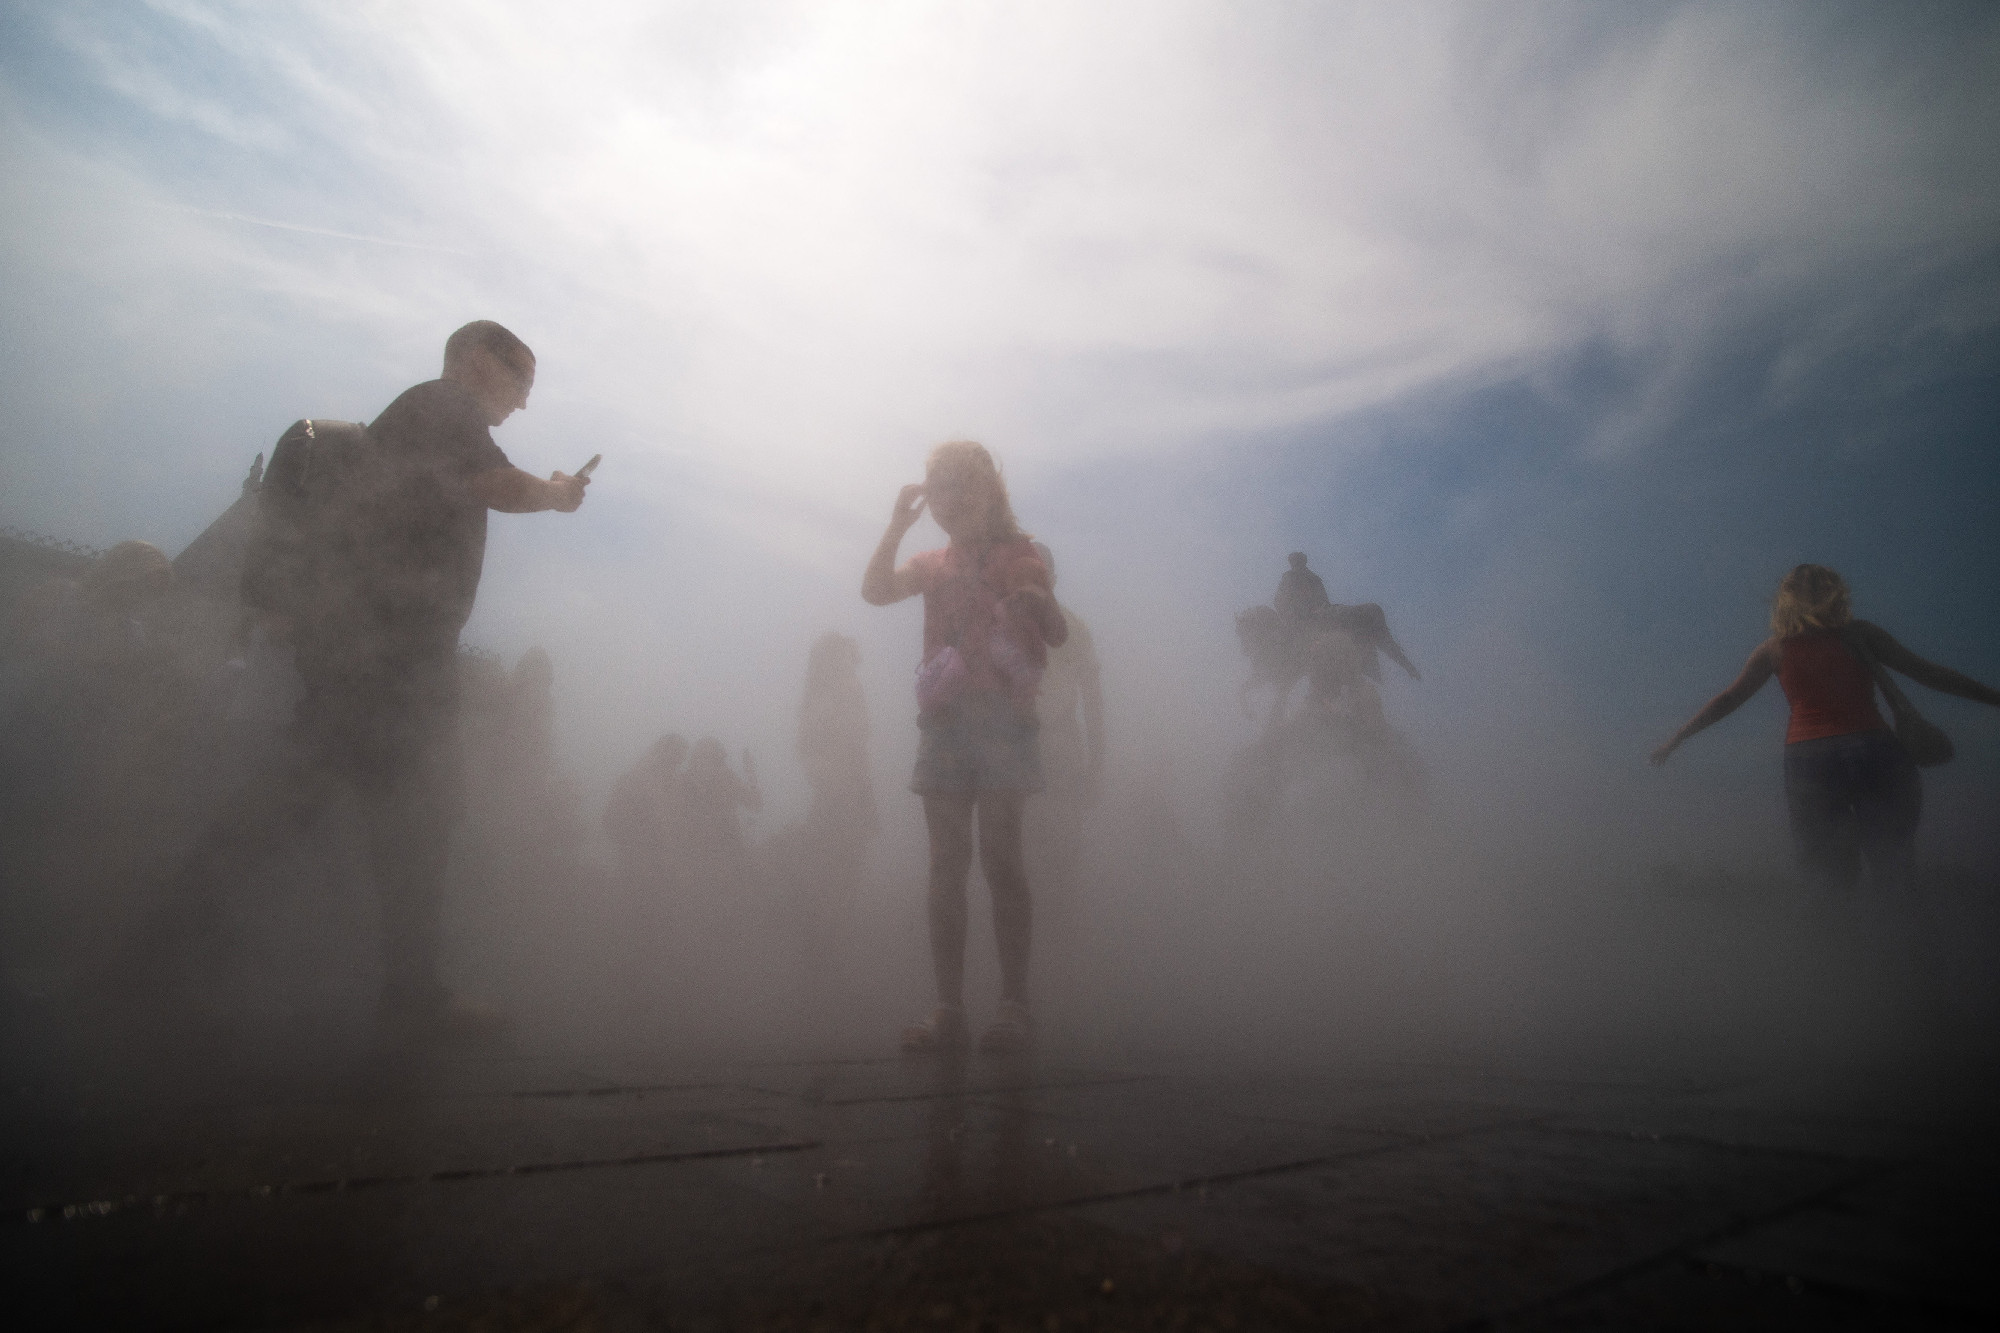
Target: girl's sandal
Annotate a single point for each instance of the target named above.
(1012, 1031)
(944, 1030)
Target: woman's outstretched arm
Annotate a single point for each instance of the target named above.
(1941, 678)
(1763, 664)
(883, 583)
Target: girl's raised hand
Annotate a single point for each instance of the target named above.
(909, 506)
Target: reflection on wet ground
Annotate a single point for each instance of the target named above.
(1034, 1194)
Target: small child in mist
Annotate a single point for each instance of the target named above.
(989, 621)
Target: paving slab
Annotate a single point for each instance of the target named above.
(246, 1261)
(336, 1145)
(1484, 1221)
(1927, 1235)
(626, 1188)
(1680, 1296)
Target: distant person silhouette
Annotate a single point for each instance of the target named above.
(636, 818)
(377, 655)
(833, 749)
(710, 850)
(1851, 789)
(1301, 593)
(1071, 708)
(530, 741)
(99, 716)
(524, 811)
(989, 620)
(815, 865)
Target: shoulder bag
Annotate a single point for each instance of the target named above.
(1925, 741)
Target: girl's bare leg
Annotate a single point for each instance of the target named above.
(1000, 857)
(950, 819)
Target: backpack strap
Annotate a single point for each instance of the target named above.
(1899, 703)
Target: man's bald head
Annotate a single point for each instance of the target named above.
(495, 340)
(493, 365)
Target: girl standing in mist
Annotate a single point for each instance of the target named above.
(989, 621)
(1851, 789)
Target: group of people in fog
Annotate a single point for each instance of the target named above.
(363, 566)
(676, 808)
(366, 563)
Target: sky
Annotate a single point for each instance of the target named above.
(1561, 330)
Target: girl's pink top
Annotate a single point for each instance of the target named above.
(962, 606)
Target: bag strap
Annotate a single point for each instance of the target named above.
(1899, 703)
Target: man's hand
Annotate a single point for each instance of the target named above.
(1659, 756)
(568, 495)
(512, 491)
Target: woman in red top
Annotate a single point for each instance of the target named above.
(1853, 793)
(989, 621)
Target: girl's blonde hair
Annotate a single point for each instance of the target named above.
(1810, 597)
(967, 457)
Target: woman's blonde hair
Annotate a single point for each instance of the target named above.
(1810, 597)
(969, 457)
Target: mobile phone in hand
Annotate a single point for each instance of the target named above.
(589, 467)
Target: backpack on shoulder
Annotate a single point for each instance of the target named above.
(299, 561)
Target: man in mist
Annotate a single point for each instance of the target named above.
(1301, 593)
(377, 656)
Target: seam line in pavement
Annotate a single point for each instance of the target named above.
(1176, 1186)
(616, 1090)
(1703, 1141)
(1696, 1088)
(70, 1212)
(982, 1093)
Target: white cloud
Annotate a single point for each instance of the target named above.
(770, 252)
(797, 242)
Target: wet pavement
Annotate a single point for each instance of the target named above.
(1036, 1193)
